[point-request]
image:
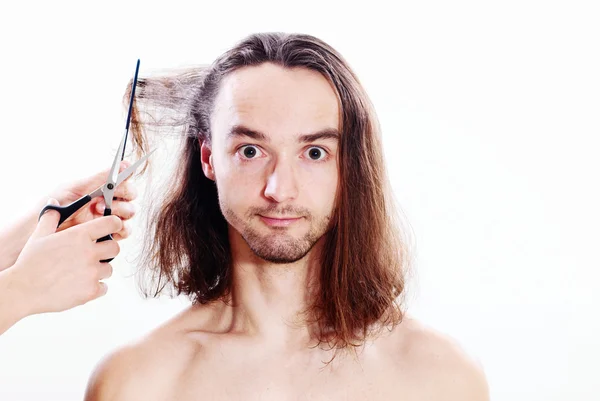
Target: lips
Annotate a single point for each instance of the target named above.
(279, 221)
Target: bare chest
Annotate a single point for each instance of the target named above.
(286, 380)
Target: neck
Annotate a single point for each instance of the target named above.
(269, 300)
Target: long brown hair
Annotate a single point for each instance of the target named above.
(365, 256)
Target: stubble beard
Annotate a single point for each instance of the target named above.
(277, 246)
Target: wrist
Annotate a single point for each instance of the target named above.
(14, 302)
(13, 239)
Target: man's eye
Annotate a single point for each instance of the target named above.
(314, 153)
(249, 151)
(317, 154)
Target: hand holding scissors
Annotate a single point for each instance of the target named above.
(113, 180)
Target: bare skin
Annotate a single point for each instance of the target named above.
(195, 356)
(256, 347)
(48, 269)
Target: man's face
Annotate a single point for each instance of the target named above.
(264, 163)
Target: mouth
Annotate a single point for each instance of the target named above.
(279, 221)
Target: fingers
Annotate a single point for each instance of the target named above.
(124, 233)
(125, 210)
(102, 226)
(101, 290)
(126, 191)
(48, 222)
(105, 271)
(106, 250)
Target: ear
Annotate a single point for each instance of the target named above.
(207, 160)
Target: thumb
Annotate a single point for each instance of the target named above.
(49, 221)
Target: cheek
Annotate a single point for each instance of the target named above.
(319, 186)
(237, 189)
(329, 197)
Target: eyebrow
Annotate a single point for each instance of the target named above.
(241, 131)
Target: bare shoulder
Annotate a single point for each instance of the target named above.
(114, 377)
(147, 368)
(443, 369)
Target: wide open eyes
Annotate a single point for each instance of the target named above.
(314, 153)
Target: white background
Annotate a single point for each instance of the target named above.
(490, 116)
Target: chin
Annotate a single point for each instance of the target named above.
(278, 247)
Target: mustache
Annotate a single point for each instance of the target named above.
(276, 211)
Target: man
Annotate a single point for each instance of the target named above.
(280, 229)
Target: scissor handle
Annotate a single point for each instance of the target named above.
(107, 212)
(66, 211)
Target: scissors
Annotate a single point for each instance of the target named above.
(112, 181)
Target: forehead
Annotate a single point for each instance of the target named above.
(275, 100)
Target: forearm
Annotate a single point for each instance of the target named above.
(14, 238)
(12, 302)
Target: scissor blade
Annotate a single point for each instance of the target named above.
(98, 192)
(113, 175)
(114, 169)
(131, 169)
(133, 85)
(109, 187)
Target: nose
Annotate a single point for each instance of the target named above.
(281, 183)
